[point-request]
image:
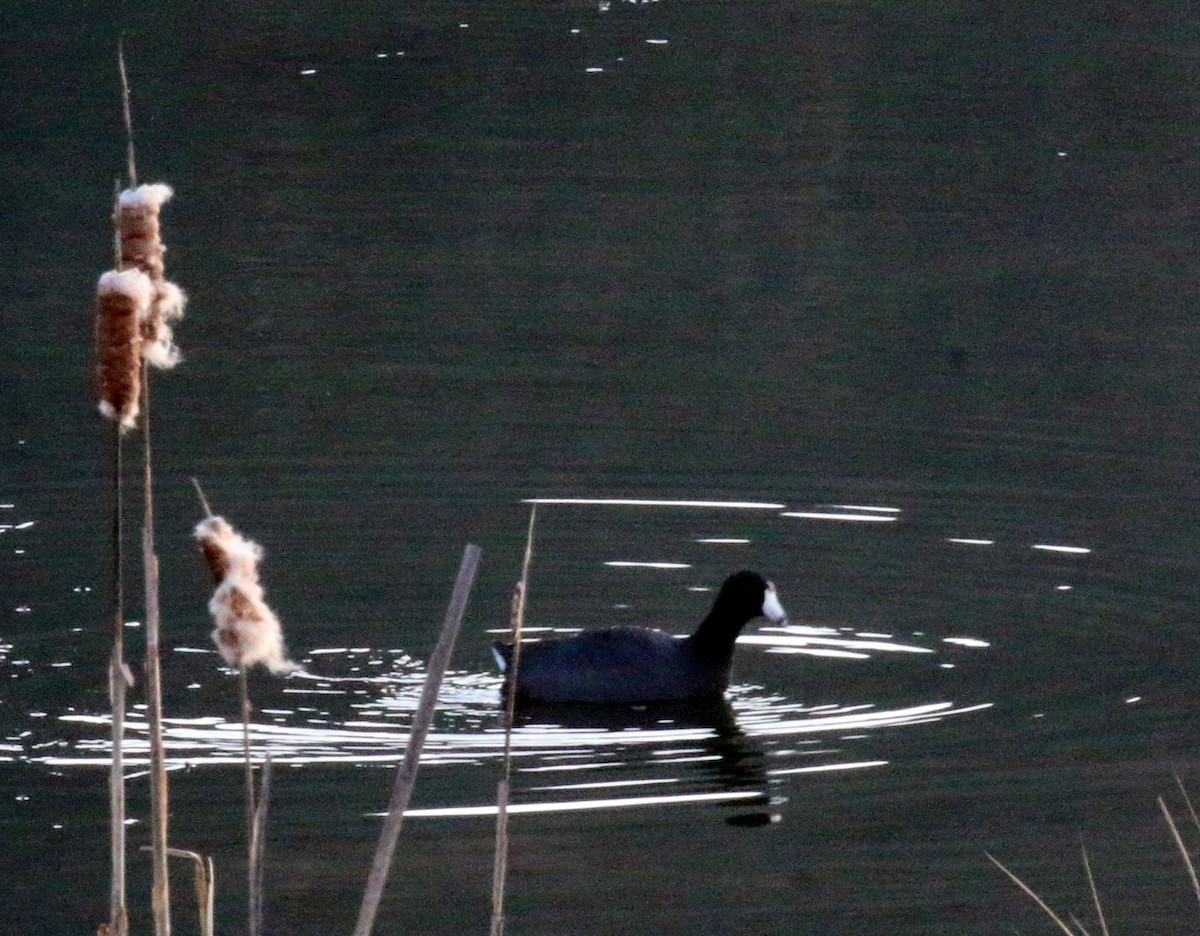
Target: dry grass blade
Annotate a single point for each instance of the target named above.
(1087, 867)
(1187, 859)
(406, 776)
(1188, 800)
(1033, 896)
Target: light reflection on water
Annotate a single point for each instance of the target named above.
(351, 706)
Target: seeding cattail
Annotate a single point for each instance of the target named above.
(247, 631)
(123, 299)
(137, 221)
(159, 346)
(142, 247)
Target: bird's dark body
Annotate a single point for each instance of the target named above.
(638, 664)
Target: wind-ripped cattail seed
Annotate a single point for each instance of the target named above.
(142, 247)
(247, 630)
(123, 299)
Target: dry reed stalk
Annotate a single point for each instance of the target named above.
(1036, 899)
(122, 301)
(500, 864)
(406, 776)
(251, 805)
(159, 812)
(258, 844)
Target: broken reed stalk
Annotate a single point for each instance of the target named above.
(500, 864)
(205, 879)
(406, 776)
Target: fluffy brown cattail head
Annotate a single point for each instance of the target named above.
(123, 300)
(141, 243)
(137, 223)
(247, 630)
(226, 551)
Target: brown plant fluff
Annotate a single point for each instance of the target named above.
(226, 551)
(142, 247)
(137, 222)
(159, 347)
(247, 631)
(122, 300)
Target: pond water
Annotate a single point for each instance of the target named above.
(890, 302)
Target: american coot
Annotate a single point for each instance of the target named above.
(637, 664)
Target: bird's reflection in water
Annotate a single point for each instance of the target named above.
(702, 747)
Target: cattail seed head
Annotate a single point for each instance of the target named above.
(137, 222)
(142, 247)
(123, 299)
(247, 631)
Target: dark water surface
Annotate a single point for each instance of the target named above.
(915, 279)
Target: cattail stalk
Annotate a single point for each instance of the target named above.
(500, 865)
(247, 632)
(258, 844)
(147, 340)
(406, 776)
(118, 924)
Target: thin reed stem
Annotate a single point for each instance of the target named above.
(1087, 867)
(159, 810)
(127, 112)
(500, 864)
(1188, 800)
(406, 776)
(203, 500)
(258, 844)
(1036, 899)
(244, 693)
(117, 684)
(1187, 859)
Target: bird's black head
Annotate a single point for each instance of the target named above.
(744, 596)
